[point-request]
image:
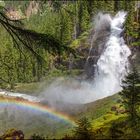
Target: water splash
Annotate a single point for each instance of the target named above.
(19, 95)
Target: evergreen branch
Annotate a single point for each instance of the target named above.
(33, 40)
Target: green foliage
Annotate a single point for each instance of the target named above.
(115, 131)
(37, 137)
(132, 24)
(2, 3)
(131, 94)
(83, 129)
(29, 42)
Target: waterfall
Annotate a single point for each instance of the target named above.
(113, 63)
(110, 67)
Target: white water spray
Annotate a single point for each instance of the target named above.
(19, 95)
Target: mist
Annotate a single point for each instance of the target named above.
(68, 90)
(110, 68)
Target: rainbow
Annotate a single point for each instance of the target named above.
(34, 106)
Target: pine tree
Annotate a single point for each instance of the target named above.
(131, 94)
(37, 137)
(115, 131)
(132, 26)
(83, 129)
(30, 39)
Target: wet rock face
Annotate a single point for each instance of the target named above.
(98, 39)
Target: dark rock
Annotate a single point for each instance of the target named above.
(113, 108)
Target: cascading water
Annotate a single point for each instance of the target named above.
(113, 63)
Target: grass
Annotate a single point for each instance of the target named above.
(27, 87)
(98, 108)
(106, 120)
(37, 87)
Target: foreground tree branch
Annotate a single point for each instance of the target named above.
(32, 40)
